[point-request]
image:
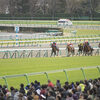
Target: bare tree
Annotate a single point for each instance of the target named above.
(50, 8)
(3, 6)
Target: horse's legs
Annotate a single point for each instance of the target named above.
(90, 53)
(73, 52)
(57, 52)
(85, 53)
(79, 53)
(52, 52)
(69, 53)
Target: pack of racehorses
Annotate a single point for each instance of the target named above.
(83, 49)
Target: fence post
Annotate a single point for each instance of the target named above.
(19, 44)
(98, 69)
(27, 78)
(31, 53)
(5, 55)
(39, 53)
(17, 53)
(66, 74)
(9, 53)
(44, 55)
(83, 73)
(5, 81)
(97, 51)
(66, 52)
(46, 75)
(59, 52)
(47, 53)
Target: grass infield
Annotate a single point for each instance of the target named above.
(31, 65)
(80, 32)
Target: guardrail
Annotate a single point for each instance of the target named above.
(82, 69)
(40, 52)
(35, 42)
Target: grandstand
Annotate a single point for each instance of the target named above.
(82, 90)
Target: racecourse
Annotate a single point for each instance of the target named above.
(31, 65)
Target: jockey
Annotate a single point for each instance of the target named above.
(71, 45)
(87, 43)
(54, 44)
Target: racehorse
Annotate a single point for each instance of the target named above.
(99, 45)
(87, 49)
(80, 50)
(71, 50)
(54, 50)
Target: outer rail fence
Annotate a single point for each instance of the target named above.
(34, 42)
(40, 52)
(82, 69)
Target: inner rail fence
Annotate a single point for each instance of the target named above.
(48, 36)
(39, 52)
(36, 42)
(26, 75)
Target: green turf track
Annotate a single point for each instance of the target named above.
(30, 65)
(80, 32)
(47, 22)
(86, 22)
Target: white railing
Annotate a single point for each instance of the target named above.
(59, 40)
(37, 49)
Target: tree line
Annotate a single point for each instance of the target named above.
(54, 8)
